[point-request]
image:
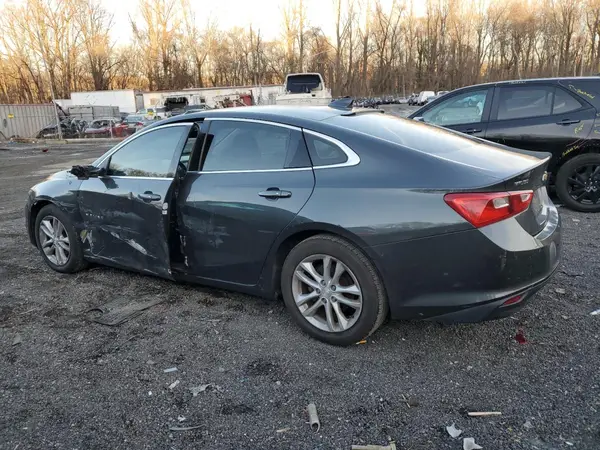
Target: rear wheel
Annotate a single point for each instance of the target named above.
(578, 183)
(332, 290)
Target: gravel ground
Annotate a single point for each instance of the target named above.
(72, 383)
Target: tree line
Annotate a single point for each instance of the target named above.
(54, 47)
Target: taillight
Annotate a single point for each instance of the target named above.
(485, 208)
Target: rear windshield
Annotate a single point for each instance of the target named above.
(424, 138)
(302, 84)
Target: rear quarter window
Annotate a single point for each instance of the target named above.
(588, 90)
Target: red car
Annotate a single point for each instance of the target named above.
(106, 128)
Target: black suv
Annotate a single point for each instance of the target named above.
(556, 115)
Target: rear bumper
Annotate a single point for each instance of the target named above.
(467, 276)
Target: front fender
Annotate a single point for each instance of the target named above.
(60, 189)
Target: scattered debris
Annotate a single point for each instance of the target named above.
(282, 430)
(453, 431)
(17, 340)
(392, 446)
(203, 387)
(528, 425)
(560, 291)
(409, 401)
(484, 413)
(278, 383)
(173, 385)
(520, 337)
(313, 418)
(576, 220)
(181, 419)
(221, 369)
(571, 274)
(122, 309)
(362, 341)
(170, 369)
(469, 444)
(570, 444)
(189, 428)
(565, 317)
(595, 313)
(150, 362)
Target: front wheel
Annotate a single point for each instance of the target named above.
(578, 183)
(332, 290)
(57, 240)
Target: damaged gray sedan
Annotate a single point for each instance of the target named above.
(349, 215)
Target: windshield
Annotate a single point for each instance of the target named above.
(133, 119)
(302, 84)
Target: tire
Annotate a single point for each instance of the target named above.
(374, 307)
(567, 171)
(75, 261)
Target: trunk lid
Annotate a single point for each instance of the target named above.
(534, 218)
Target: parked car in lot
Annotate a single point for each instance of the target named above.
(70, 128)
(558, 115)
(109, 127)
(423, 96)
(154, 113)
(136, 122)
(350, 214)
(412, 100)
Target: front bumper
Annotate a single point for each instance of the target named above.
(467, 276)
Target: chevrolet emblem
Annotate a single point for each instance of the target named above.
(545, 177)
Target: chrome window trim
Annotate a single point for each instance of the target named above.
(133, 137)
(353, 158)
(259, 121)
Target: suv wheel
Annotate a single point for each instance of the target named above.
(332, 290)
(578, 183)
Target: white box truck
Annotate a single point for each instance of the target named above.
(128, 100)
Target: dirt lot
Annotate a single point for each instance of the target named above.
(72, 383)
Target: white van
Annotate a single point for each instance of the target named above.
(423, 96)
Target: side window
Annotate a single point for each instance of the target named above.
(149, 155)
(323, 152)
(459, 109)
(564, 102)
(520, 102)
(237, 145)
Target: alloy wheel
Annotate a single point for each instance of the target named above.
(54, 241)
(584, 184)
(327, 293)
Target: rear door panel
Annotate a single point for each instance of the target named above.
(228, 222)
(554, 133)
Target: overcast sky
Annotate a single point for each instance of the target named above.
(263, 14)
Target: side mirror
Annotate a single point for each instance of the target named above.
(419, 119)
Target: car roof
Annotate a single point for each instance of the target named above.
(291, 115)
(531, 80)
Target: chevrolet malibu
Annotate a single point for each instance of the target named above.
(350, 215)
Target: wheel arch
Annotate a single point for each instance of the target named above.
(271, 274)
(574, 150)
(36, 207)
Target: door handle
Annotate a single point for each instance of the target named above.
(472, 130)
(275, 193)
(567, 122)
(149, 196)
